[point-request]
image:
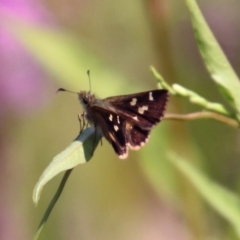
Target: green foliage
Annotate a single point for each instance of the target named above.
(78, 152)
(178, 90)
(201, 101)
(226, 203)
(214, 58)
(52, 203)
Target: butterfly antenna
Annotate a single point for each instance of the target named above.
(89, 79)
(65, 90)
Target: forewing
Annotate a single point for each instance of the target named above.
(144, 109)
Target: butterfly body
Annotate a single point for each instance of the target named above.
(125, 120)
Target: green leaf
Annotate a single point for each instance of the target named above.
(222, 200)
(197, 99)
(162, 84)
(78, 152)
(214, 58)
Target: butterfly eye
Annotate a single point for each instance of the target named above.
(85, 100)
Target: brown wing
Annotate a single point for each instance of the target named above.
(144, 109)
(113, 129)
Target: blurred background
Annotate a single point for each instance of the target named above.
(49, 44)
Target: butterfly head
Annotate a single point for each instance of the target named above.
(86, 98)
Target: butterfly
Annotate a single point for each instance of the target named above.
(127, 120)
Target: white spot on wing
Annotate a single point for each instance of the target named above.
(123, 156)
(118, 120)
(137, 147)
(135, 118)
(150, 96)
(142, 109)
(110, 117)
(133, 147)
(116, 128)
(133, 102)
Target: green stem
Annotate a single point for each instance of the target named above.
(200, 115)
(52, 203)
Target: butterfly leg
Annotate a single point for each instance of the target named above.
(85, 121)
(82, 121)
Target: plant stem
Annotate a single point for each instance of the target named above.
(200, 115)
